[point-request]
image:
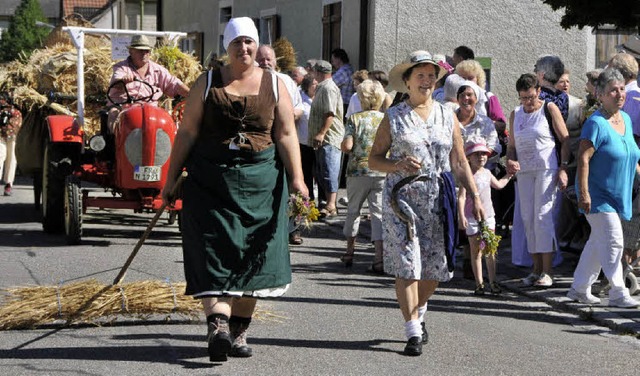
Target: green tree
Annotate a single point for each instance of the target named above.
(23, 36)
(623, 14)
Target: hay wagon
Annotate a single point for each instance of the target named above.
(130, 161)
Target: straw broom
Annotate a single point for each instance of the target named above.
(95, 303)
(90, 302)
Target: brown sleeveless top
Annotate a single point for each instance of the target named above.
(247, 121)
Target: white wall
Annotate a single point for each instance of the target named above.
(513, 33)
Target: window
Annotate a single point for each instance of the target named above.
(86, 12)
(331, 28)
(486, 66)
(268, 26)
(141, 15)
(226, 12)
(192, 44)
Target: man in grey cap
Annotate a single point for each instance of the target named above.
(138, 67)
(326, 131)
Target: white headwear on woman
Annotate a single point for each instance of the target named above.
(239, 27)
(481, 96)
(451, 86)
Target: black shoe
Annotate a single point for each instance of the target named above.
(479, 289)
(425, 334)
(413, 347)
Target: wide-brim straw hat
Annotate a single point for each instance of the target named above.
(416, 57)
(140, 42)
(631, 46)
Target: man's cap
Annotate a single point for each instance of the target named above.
(322, 66)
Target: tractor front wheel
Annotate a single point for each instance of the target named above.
(52, 189)
(73, 210)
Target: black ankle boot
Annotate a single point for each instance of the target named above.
(238, 327)
(218, 337)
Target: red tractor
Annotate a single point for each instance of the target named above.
(130, 161)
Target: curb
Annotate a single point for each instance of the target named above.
(599, 314)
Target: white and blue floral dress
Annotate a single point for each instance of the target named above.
(431, 142)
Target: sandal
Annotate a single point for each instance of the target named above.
(347, 259)
(295, 239)
(376, 268)
(495, 288)
(479, 289)
(326, 212)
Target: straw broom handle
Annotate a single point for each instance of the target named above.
(144, 236)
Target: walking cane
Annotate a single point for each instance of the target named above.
(144, 236)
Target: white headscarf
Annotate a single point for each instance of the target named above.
(481, 96)
(451, 86)
(239, 27)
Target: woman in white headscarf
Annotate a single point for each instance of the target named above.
(234, 216)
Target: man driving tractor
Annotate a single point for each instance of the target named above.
(135, 70)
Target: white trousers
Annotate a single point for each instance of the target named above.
(536, 195)
(360, 188)
(8, 160)
(603, 249)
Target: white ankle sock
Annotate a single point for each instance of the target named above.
(421, 311)
(412, 328)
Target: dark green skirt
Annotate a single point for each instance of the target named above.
(234, 221)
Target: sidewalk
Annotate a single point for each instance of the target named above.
(509, 277)
(620, 319)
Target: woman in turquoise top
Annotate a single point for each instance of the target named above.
(607, 161)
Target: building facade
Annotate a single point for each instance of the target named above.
(508, 36)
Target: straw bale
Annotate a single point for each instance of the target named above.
(286, 55)
(94, 303)
(58, 36)
(185, 67)
(53, 69)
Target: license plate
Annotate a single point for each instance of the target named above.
(147, 173)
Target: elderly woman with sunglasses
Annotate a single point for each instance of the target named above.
(417, 141)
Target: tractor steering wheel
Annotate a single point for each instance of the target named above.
(130, 99)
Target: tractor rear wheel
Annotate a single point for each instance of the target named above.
(73, 210)
(52, 189)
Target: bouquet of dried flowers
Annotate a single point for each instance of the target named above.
(488, 240)
(302, 210)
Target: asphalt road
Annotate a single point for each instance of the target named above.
(333, 321)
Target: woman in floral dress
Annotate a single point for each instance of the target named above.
(417, 141)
